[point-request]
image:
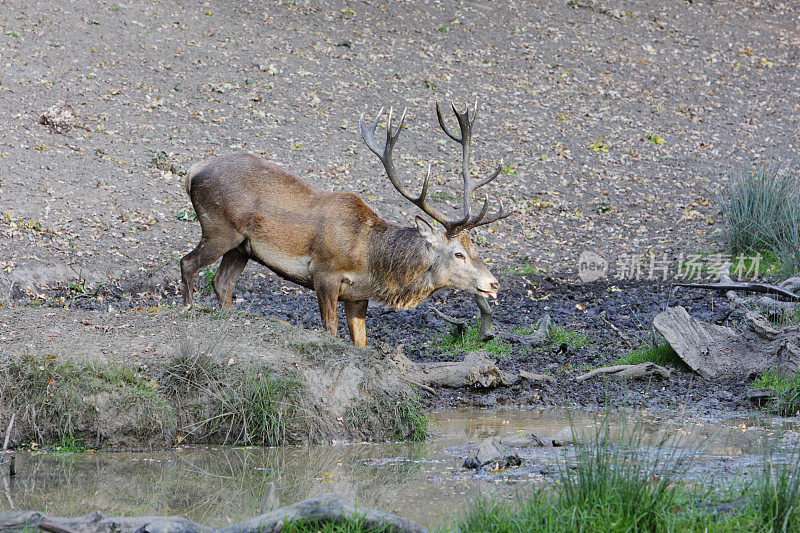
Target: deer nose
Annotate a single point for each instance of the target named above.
(495, 285)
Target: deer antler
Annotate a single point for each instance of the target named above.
(384, 153)
(467, 221)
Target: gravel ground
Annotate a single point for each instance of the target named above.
(617, 120)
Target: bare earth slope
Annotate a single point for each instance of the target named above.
(617, 120)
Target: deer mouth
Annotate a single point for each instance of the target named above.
(492, 295)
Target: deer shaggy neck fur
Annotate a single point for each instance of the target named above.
(401, 267)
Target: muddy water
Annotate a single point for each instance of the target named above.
(423, 482)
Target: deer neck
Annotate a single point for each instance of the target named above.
(400, 268)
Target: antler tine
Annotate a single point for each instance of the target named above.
(490, 177)
(501, 214)
(384, 153)
(442, 125)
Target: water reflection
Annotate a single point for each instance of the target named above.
(423, 481)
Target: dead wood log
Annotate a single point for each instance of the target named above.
(476, 370)
(323, 508)
(712, 350)
(746, 286)
(19, 521)
(539, 337)
(642, 370)
(326, 508)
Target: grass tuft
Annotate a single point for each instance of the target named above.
(449, 342)
(775, 500)
(762, 215)
(787, 390)
(60, 401)
(661, 354)
(624, 484)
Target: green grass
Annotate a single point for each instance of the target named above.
(60, 400)
(449, 342)
(762, 215)
(661, 354)
(633, 485)
(259, 407)
(558, 335)
(526, 268)
(346, 526)
(403, 420)
(787, 390)
(410, 422)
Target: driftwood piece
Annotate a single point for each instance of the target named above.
(746, 286)
(19, 521)
(323, 508)
(539, 337)
(326, 508)
(487, 317)
(537, 378)
(642, 370)
(476, 370)
(712, 350)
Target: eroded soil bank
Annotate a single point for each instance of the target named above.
(151, 378)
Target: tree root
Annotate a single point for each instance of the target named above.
(639, 371)
(326, 508)
(476, 370)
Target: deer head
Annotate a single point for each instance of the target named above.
(454, 260)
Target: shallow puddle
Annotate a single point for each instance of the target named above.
(423, 481)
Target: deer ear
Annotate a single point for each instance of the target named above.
(427, 231)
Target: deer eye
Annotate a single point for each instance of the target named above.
(459, 255)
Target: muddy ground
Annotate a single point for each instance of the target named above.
(583, 309)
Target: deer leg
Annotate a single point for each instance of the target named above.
(206, 252)
(356, 312)
(230, 268)
(327, 289)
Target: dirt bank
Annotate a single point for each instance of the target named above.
(148, 378)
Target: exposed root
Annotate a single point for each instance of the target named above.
(642, 370)
(477, 369)
(326, 508)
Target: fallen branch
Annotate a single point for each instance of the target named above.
(539, 337)
(326, 508)
(746, 286)
(5, 446)
(639, 371)
(460, 325)
(477, 369)
(537, 378)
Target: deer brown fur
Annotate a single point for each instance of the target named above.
(330, 242)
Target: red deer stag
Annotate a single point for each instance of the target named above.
(333, 242)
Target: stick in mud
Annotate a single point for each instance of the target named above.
(5, 447)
